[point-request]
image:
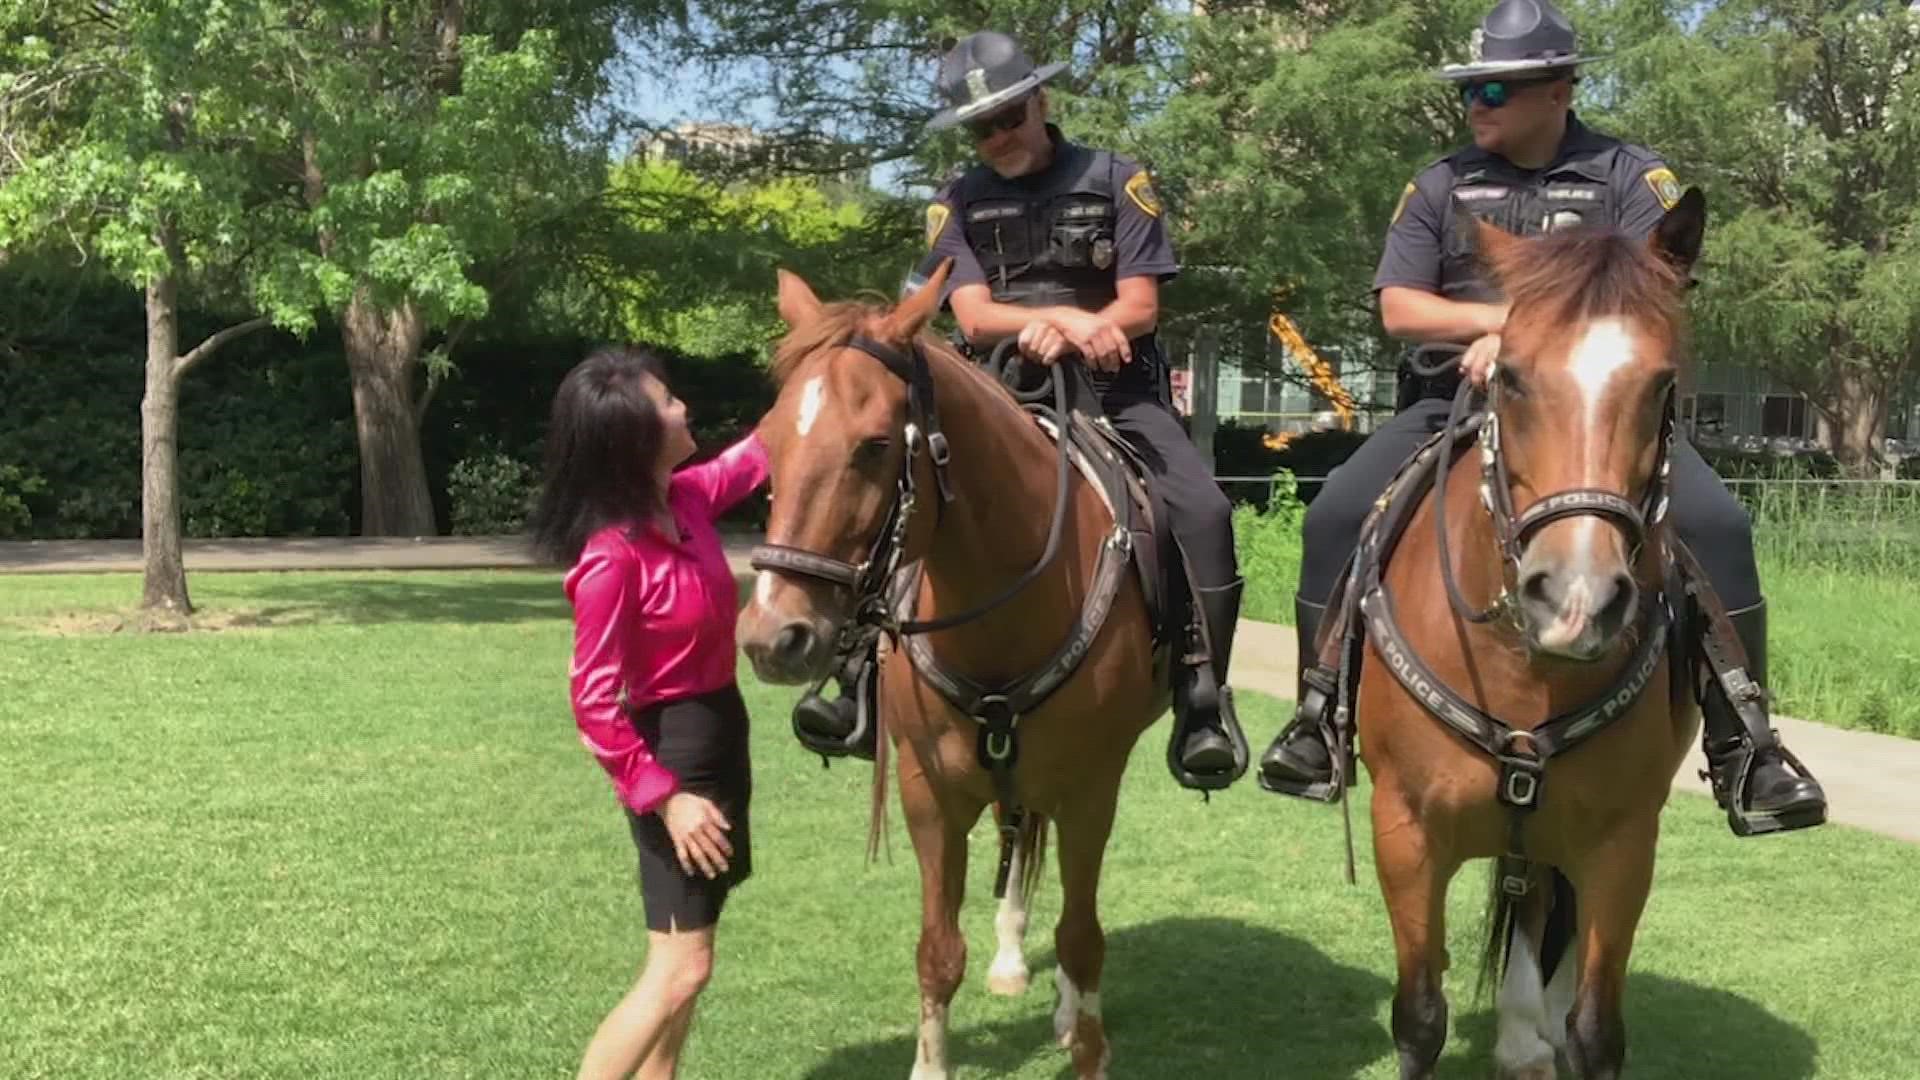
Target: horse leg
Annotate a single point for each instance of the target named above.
(1524, 1050)
(1612, 883)
(1008, 976)
(940, 840)
(1078, 940)
(1414, 879)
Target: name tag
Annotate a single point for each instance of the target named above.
(1574, 192)
(1077, 211)
(1476, 194)
(995, 213)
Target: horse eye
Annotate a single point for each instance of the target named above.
(872, 450)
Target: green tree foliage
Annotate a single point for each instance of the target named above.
(1801, 121)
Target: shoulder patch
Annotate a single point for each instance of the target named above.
(1401, 206)
(1666, 187)
(1140, 190)
(937, 214)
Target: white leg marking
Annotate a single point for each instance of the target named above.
(1073, 1006)
(930, 1060)
(1560, 1001)
(1009, 975)
(1520, 1051)
(812, 396)
(1069, 1009)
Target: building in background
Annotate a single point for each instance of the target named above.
(736, 149)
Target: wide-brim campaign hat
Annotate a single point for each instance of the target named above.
(1517, 37)
(983, 72)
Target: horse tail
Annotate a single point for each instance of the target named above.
(1033, 853)
(1503, 918)
(877, 811)
(1502, 914)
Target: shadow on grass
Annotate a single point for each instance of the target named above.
(1211, 997)
(1677, 1029)
(307, 599)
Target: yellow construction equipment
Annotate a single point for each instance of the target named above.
(1319, 372)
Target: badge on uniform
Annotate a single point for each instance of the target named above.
(1666, 187)
(936, 221)
(1140, 190)
(1102, 253)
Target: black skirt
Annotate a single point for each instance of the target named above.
(703, 741)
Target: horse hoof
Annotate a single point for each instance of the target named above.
(1007, 983)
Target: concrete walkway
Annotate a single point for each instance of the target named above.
(1872, 781)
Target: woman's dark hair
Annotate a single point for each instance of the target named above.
(603, 445)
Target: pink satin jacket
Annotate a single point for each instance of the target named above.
(654, 615)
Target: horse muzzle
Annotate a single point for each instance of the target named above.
(1576, 613)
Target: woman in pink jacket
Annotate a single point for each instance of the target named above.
(653, 671)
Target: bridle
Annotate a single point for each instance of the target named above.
(868, 579)
(1512, 531)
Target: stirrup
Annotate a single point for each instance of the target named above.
(1320, 791)
(1733, 794)
(1203, 695)
(1316, 696)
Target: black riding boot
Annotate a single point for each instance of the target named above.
(1299, 762)
(843, 727)
(1207, 751)
(1758, 781)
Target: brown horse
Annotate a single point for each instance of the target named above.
(1528, 609)
(888, 448)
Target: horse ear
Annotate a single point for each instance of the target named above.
(913, 312)
(1677, 239)
(798, 305)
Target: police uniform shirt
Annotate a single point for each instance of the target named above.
(1141, 246)
(1590, 170)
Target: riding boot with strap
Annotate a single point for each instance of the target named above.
(1299, 762)
(1208, 751)
(1758, 781)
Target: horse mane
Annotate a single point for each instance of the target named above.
(1582, 274)
(837, 325)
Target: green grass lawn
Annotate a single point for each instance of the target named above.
(356, 836)
(1844, 635)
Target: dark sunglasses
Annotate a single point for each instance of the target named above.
(1005, 120)
(1495, 92)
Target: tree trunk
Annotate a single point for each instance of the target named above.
(1857, 421)
(164, 584)
(383, 357)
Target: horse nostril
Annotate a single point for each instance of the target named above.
(1620, 604)
(794, 642)
(1534, 589)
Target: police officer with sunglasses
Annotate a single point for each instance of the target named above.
(1533, 167)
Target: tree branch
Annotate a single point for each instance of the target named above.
(212, 344)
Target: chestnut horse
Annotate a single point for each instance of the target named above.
(1528, 609)
(890, 449)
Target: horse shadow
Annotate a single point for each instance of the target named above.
(1678, 1029)
(1208, 997)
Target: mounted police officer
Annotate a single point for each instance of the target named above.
(1063, 247)
(1533, 167)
